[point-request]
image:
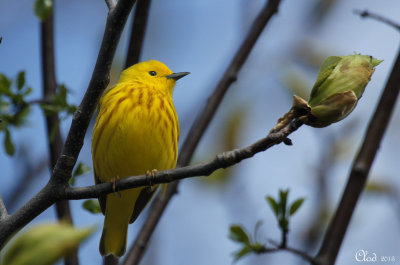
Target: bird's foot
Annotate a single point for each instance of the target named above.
(151, 174)
(114, 182)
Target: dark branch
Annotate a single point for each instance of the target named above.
(138, 30)
(222, 160)
(3, 209)
(297, 252)
(52, 121)
(199, 126)
(366, 14)
(111, 4)
(62, 171)
(360, 169)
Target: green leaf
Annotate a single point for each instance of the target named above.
(295, 206)
(242, 252)
(27, 91)
(49, 109)
(60, 99)
(239, 235)
(45, 244)
(8, 144)
(282, 202)
(326, 69)
(274, 205)
(80, 169)
(43, 9)
(5, 85)
(20, 80)
(92, 206)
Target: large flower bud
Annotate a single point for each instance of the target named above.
(340, 84)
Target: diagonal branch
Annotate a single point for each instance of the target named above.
(223, 160)
(52, 192)
(3, 209)
(139, 24)
(111, 4)
(199, 126)
(366, 13)
(360, 169)
(52, 121)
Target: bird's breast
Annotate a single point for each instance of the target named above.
(137, 130)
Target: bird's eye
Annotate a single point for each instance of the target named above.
(152, 73)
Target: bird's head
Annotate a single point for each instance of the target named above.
(152, 73)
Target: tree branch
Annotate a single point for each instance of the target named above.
(223, 160)
(116, 20)
(3, 209)
(111, 4)
(138, 31)
(360, 169)
(52, 121)
(296, 252)
(366, 14)
(136, 252)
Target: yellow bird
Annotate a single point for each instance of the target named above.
(136, 131)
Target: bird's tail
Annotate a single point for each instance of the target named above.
(117, 215)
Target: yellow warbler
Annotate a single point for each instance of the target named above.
(136, 131)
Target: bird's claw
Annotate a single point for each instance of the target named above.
(114, 182)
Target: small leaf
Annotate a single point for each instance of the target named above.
(242, 252)
(239, 235)
(92, 206)
(295, 206)
(45, 244)
(282, 202)
(80, 169)
(27, 91)
(8, 144)
(49, 109)
(43, 9)
(274, 205)
(21, 80)
(5, 85)
(60, 99)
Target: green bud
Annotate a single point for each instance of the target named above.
(340, 84)
(44, 244)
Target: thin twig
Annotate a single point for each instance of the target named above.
(55, 145)
(111, 4)
(297, 252)
(138, 30)
(360, 169)
(62, 171)
(366, 14)
(3, 209)
(199, 126)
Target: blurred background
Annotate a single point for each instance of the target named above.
(201, 37)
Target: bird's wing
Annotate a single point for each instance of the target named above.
(144, 197)
(101, 198)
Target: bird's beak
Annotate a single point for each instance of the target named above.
(177, 76)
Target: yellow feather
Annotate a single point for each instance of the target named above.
(137, 130)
